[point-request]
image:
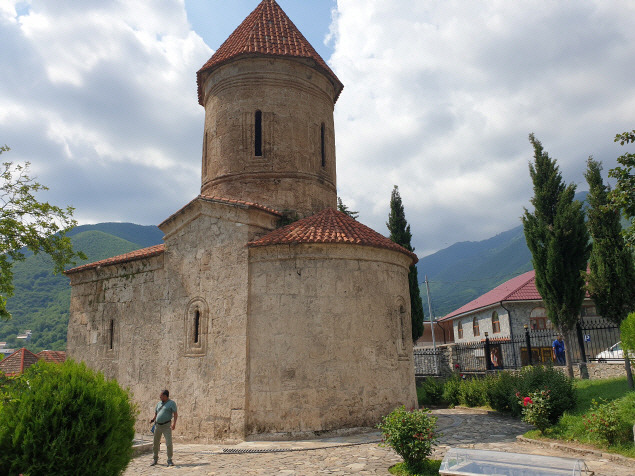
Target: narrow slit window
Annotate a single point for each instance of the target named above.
(258, 134)
(197, 325)
(111, 334)
(322, 149)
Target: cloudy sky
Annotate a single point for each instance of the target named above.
(439, 98)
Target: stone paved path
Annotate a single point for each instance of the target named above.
(360, 454)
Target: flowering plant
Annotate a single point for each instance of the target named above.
(411, 434)
(604, 421)
(536, 408)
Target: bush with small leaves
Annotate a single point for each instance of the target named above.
(411, 434)
(430, 391)
(536, 408)
(604, 421)
(65, 419)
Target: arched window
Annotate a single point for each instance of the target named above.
(475, 327)
(538, 319)
(496, 324)
(258, 134)
(459, 330)
(322, 147)
(197, 325)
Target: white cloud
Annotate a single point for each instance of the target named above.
(440, 97)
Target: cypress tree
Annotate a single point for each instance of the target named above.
(400, 234)
(612, 272)
(344, 209)
(559, 243)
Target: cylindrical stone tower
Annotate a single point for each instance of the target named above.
(269, 134)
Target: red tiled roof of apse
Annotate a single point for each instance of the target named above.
(18, 362)
(55, 356)
(329, 226)
(266, 31)
(132, 256)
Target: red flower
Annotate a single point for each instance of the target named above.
(527, 401)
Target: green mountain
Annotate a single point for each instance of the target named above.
(42, 299)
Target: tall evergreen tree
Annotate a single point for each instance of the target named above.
(612, 271)
(344, 209)
(623, 195)
(400, 234)
(558, 240)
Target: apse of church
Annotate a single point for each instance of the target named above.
(257, 328)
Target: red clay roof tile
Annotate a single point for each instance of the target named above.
(132, 256)
(18, 362)
(520, 288)
(266, 31)
(329, 226)
(55, 356)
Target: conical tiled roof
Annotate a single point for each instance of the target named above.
(330, 226)
(266, 31)
(18, 362)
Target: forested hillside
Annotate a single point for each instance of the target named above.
(42, 299)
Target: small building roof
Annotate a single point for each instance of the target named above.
(330, 226)
(267, 31)
(124, 258)
(520, 288)
(55, 356)
(18, 362)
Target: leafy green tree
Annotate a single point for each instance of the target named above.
(612, 272)
(26, 223)
(558, 240)
(627, 331)
(65, 419)
(400, 234)
(344, 209)
(623, 195)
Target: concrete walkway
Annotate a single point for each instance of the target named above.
(360, 454)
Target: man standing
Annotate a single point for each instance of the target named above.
(558, 351)
(163, 413)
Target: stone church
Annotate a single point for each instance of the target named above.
(257, 328)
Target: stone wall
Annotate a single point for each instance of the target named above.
(295, 100)
(154, 303)
(329, 337)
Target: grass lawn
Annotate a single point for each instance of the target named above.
(571, 426)
(431, 468)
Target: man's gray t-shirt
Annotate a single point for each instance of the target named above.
(164, 412)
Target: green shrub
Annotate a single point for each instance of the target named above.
(65, 419)
(502, 390)
(536, 408)
(430, 391)
(606, 422)
(452, 390)
(410, 434)
(473, 392)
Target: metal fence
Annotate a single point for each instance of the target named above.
(589, 342)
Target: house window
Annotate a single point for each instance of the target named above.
(496, 323)
(538, 319)
(258, 134)
(459, 330)
(322, 149)
(475, 328)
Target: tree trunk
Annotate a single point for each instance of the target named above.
(568, 353)
(629, 373)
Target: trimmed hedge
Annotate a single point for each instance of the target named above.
(65, 419)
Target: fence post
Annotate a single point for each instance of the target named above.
(528, 343)
(488, 356)
(578, 329)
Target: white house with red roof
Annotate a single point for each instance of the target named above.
(253, 326)
(504, 312)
